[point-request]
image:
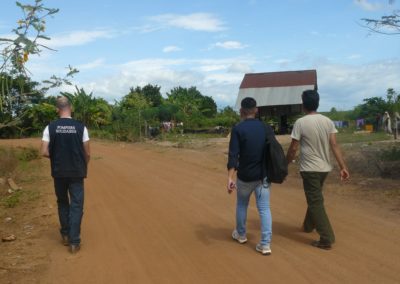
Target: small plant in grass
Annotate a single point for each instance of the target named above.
(13, 199)
(19, 196)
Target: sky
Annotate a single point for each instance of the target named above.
(211, 44)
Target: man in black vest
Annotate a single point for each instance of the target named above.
(66, 142)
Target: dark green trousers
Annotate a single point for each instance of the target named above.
(316, 217)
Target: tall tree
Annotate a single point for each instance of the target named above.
(191, 101)
(151, 93)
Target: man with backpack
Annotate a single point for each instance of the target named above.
(316, 135)
(66, 142)
(246, 157)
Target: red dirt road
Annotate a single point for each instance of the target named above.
(162, 215)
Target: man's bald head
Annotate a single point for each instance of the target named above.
(63, 103)
(64, 108)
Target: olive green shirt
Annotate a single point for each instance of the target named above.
(313, 131)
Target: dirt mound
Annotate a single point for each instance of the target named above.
(373, 160)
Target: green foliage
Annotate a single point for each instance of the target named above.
(93, 112)
(227, 117)
(29, 35)
(392, 100)
(17, 92)
(191, 101)
(370, 109)
(151, 93)
(334, 114)
(37, 117)
(134, 101)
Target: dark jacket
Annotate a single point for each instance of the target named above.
(246, 149)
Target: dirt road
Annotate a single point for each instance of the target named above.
(162, 215)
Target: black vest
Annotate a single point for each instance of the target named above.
(67, 155)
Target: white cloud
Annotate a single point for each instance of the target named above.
(91, 65)
(345, 86)
(212, 67)
(368, 5)
(240, 67)
(213, 77)
(171, 48)
(197, 22)
(76, 38)
(230, 45)
(354, 56)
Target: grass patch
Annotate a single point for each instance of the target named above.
(13, 199)
(174, 137)
(19, 196)
(392, 154)
(349, 136)
(27, 154)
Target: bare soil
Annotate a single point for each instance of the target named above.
(160, 214)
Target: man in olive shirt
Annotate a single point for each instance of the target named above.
(316, 135)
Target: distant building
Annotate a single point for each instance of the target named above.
(278, 94)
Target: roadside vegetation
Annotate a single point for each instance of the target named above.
(17, 168)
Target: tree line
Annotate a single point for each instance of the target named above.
(125, 119)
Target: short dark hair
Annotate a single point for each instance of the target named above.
(310, 100)
(248, 103)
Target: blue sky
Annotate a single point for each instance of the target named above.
(211, 44)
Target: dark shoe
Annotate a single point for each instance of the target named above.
(74, 248)
(65, 240)
(321, 245)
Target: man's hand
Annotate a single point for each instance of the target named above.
(44, 149)
(231, 185)
(344, 174)
(231, 180)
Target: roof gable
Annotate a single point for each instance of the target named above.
(279, 79)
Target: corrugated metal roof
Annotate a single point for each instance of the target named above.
(273, 96)
(279, 79)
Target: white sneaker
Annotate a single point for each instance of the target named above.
(240, 239)
(263, 249)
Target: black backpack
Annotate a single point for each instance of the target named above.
(275, 164)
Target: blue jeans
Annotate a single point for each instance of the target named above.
(70, 196)
(262, 192)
